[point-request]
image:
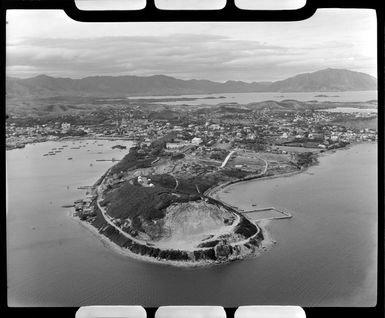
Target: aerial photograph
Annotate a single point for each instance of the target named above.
(192, 163)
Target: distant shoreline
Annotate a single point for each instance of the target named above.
(62, 139)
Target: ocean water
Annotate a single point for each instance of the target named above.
(325, 255)
(245, 98)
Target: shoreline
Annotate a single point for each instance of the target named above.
(214, 190)
(112, 138)
(266, 245)
(61, 139)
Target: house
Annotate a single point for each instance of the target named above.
(65, 127)
(215, 127)
(196, 141)
(334, 138)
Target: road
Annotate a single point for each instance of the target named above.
(224, 163)
(109, 220)
(266, 165)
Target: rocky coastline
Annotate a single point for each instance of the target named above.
(247, 239)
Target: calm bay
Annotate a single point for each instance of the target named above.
(325, 255)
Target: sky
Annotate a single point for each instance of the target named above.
(49, 42)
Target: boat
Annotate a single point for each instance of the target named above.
(119, 147)
(68, 206)
(69, 158)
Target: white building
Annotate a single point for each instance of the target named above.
(196, 141)
(65, 127)
(175, 145)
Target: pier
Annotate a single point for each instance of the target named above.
(286, 214)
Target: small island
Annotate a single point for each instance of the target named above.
(324, 95)
(161, 205)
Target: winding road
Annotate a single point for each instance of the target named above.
(109, 220)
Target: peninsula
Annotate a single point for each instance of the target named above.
(160, 202)
(160, 205)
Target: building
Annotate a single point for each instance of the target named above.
(196, 141)
(175, 145)
(65, 127)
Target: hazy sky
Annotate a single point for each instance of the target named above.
(49, 42)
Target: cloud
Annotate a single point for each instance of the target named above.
(215, 51)
(176, 55)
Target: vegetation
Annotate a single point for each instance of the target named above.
(177, 156)
(245, 228)
(219, 154)
(133, 201)
(145, 203)
(209, 244)
(163, 180)
(160, 143)
(133, 160)
(142, 249)
(305, 159)
(235, 173)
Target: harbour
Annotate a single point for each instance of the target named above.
(336, 238)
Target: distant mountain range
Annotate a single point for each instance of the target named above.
(109, 86)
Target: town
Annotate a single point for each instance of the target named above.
(222, 126)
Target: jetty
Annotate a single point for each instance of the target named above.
(285, 214)
(113, 160)
(85, 187)
(68, 206)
